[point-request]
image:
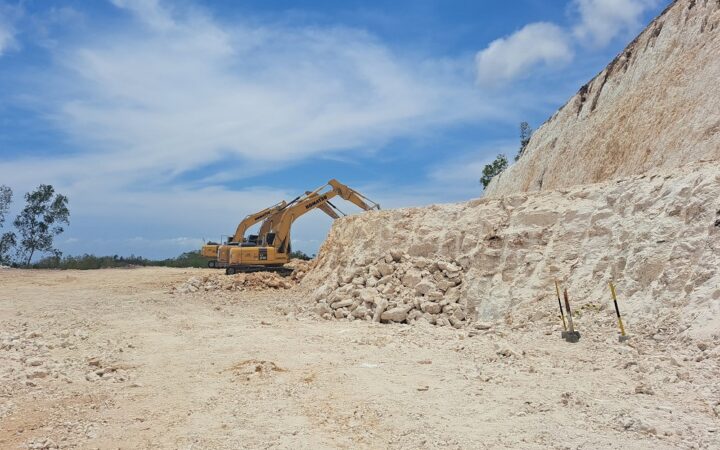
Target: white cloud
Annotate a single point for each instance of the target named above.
(602, 20)
(148, 11)
(510, 57)
(6, 37)
(8, 15)
(197, 91)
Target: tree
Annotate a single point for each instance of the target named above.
(5, 200)
(299, 254)
(525, 135)
(491, 170)
(40, 221)
(7, 240)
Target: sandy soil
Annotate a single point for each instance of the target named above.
(114, 359)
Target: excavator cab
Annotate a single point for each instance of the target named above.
(269, 238)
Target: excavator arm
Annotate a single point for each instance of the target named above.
(252, 219)
(353, 196)
(320, 199)
(269, 223)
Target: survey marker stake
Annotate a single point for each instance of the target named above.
(562, 314)
(623, 337)
(570, 335)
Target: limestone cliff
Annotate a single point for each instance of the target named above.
(657, 105)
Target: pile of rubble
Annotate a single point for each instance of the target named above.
(300, 268)
(240, 282)
(397, 288)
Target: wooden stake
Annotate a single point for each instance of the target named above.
(571, 335)
(623, 336)
(562, 313)
(569, 312)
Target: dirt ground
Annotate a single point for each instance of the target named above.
(115, 359)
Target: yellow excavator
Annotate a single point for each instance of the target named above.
(273, 248)
(211, 249)
(223, 251)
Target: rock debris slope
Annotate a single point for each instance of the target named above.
(657, 105)
(656, 235)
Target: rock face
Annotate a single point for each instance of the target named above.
(657, 105)
(654, 235)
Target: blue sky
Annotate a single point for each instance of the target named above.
(166, 122)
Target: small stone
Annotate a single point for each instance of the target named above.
(647, 429)
(398, 314)
(368, 295)
(455, 322)
(414, 315)
(434, 296)
(359, 312)
(342, 304)
(35, 362)
(91, 376)
(482, 325)
(411, 278)
(424, 287)
(385, 269)
(430, 308)
(459, 314)
(506, 352)
(429, 318)
(322, 309)
(94, 362)
(38, 373)
(380, 307)
(396, 255)
(644, 389)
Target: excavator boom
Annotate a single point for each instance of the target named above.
(252, 219)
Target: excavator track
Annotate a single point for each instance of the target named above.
(280, 270)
